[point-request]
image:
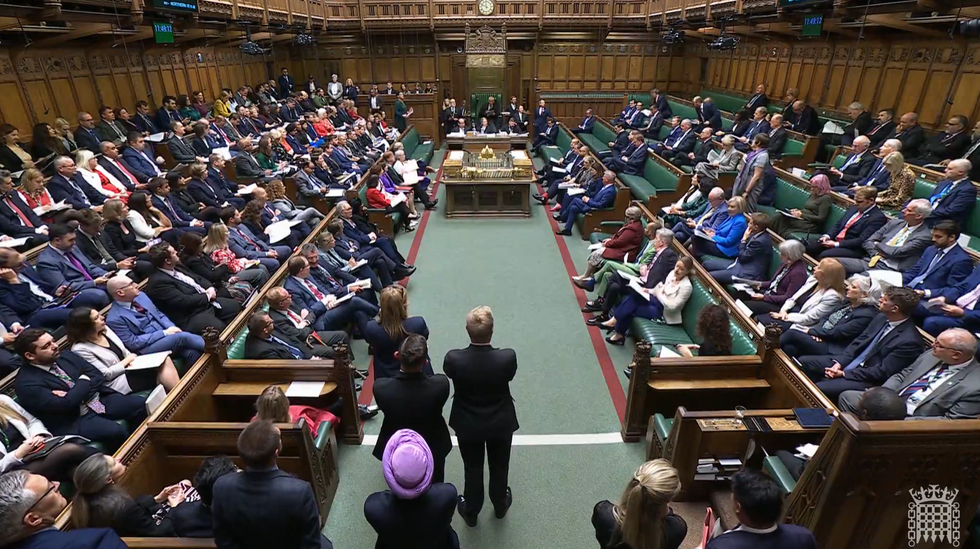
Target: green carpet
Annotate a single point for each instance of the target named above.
(514, 266)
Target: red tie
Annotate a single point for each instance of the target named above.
(250, 241)
(316, 293)
(20, 214)
(853, 220)
(126, 173)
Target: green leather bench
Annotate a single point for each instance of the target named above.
(661, 427)
(236, 350)
(598, 141)
(778, 472)
(415, 149)
(561, 146)
(378, 215)
(656, 178)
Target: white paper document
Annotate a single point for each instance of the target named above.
(341, 299)
(640, 290)
(808, 450)
(155, 399)
(225, 152)
(247, 190)
(278, 231)
(798, 172)
(456, 155)
(359, 264)
(575, 192)
(396, 199)
(411, 177)
(595, 246)
(701, 234)
(566, 186)
(57, 206)
(335, 193)
(156, 138)
(362, 283)
(518, 155)
(13, 242)
(744, 308)
(667, 352)
(146, 362)
(556, 169)
(310, 389)
(885, 278)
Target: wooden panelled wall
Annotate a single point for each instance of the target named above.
(41, 85)
(907, 76)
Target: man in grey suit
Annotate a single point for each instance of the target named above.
(181, 150)
(941, 384)
(246, 165)
(896, 246)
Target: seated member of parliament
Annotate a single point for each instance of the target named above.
(857, 224)
(942, 265)
(955, 197)
(643, 517)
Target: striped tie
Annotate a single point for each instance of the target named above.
(923, 381)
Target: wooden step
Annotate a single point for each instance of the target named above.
(707, 384)
(255, 388)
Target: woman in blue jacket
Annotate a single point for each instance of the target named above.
(724, 239)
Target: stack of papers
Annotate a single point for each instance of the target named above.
(13, 242)
(278, 231)
(574, 192)
(58, 206)
(225, 152)
(396, 199)
(363, 283)
(640, 290)
(150, 361)
(667, 352)
(309, 389)
(456, 155)
(335, 193)
(247, 190)
(359, 264)
(156, 138)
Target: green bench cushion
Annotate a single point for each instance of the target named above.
(924, 189)
(411, 141)
(662, 426)
(774, 467)
(794, 147)
(640, 187)
(593, 142)
(423, 153)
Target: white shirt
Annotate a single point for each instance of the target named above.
(35, 289)
(915, 399)
(93, 180)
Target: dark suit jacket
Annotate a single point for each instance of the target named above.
(541, 119)
(178, 301)
(181, 150)
(807, 122)
(878, 133)
(86, 244)
(18, 302)
(636, 160)
(753, 257)
(192, 520)
(757, 100)
(777, 142)
(957, 205)
(59, 414)
(943, 147)
(266, 349)
(847, 328)
(482, 405)
(949, 271)
(262, 509)
(872, 220)
(425, 520)
(10, 223)
(788, 284)
(88, 139)
(892, 354)
(859, 126)
(61, 189)
(247, 166)
(55, 269)
(414, 401)
(385, 364)
(860, 169)
(912, 140)
(84, 538)
(785, 535)
(662, 105)
(135, 163)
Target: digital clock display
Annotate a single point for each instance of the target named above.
(812, 25)
(163, 33)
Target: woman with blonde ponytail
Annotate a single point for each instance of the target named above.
(643, 519)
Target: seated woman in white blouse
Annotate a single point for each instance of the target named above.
(88, 167)
(96, 343)
(814, 301)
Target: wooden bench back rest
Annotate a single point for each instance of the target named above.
(687, 443)
(854, 493)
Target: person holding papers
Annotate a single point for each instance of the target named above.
(219, 255)
(98, 345)
(247, 245)
(813, 216)
(331, 305)
(35, 195)
(784, 283)
(665, 300)
(604, 198)
(724, 240)
(378, 197)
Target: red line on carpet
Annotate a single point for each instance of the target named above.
(609, 372)
(367, 387)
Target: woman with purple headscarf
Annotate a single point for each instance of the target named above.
(414, 513)
(812, 218)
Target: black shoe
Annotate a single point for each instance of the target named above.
(564, 233)
(508, 501)
(541, 199)
(432, 205)
(357, 387)
(469, 519)
(596, 320)
(619, 342)
(367, 412)
(556, 216)
(593, 306)
(628, 371)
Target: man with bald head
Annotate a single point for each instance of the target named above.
(856, 168)
(143, 328)
(955, 196)
(777, 137)
(943, 383)
(804, 119)
(910, 133)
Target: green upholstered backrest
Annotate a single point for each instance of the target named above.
(836, 213)
(723, 101)
(700, 298)
(923, 188)
(773, 262)
(660, 177)
(639, 96)
(794, 147)
(236, 351)
(789, 196)
(683, 111)
(839, 161)
(362, 194)
(603, 133)
(664, 132)
(564, 141)
(411, 140)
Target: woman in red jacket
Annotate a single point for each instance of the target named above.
(622, 247)
(378, 198)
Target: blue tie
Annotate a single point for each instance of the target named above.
(935, 260)
(859, 360)
(292, 350)
(874, 172)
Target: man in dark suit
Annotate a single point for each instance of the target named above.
(754, 254)
(180, 220)
(64, 186)
(98, 247)
(898, 244)
(320, 297)
(856, 167)
(521, 119)
(616, 147)
(942, 265)
(108, 128)
(167, 114)
(777, 137)
(263, 506)
(953, 306)
(587, 123)
(61, 263)
(604, 198)
(291, 326)
(17, 220)
(286, 83)
(681, 142)
(712, 116)
(194, 519)
(86, 135)
(483, 414)
(857, 224)
(626, 113)
(911, 134)
(137, 159)
(187, 299)
(265, 342)
(143, 120)
(651, 130)
(660, 102)
(42, 503)
(945, 145)
(702, 146)
(182, 151)
(887, 346)
(69, 395)
(547, 136)
(758, 505)
(413, 400)
(757, 100)
(955, 197)
(883, 129)
(860, 123)
(541, 117)
(246, 166)
(637, 119)
(804, 119)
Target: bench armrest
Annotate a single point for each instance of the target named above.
(323, 435)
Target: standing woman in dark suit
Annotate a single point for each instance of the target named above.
(350, 90)
(788, 279)
(12, 156)
(643, 519)
(386, 334)
(812, 218)
(483, 414)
